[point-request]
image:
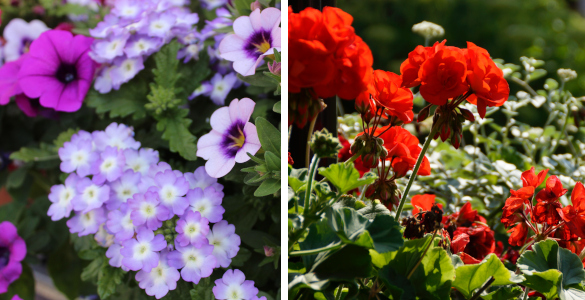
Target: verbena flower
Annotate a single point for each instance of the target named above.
(146, 209)
(115, 256)
(87, 223)
(171, 190)
(12, 252)
(206, 202)
(123, 189)
(61, 196)
(110, 165)
(234, 286)
(256, 36)
(196, 262)
(225, 241)
(58, 70)
(120, 223)
(141, 253)
(200, 179)
(230, 139)
(78, 156)
(140, 160)
(192, 229)
(19, 35)
(115, 135)
(89, 195)
(162, 279)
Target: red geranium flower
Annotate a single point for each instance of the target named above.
(518, 234)
(574, 215)
(403, 150)
(529, 178)
(477, 241)
(387, 91)
(410, 67)
(443, 75)
(515, 205)
(545, 209)
(423, 202)
(485, 79)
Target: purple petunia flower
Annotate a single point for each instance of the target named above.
(110, 165)
(196, 262)
(146, 209)
(12, 252)
(171, 189)
(89, 195)
(115, 135)
(58, 70)
(140, 160)
(233, 285)
(124, 188)
(61, 196)
(200, 179)
(87, 223)
(141, 253)
(206, 202)
(120, 224)
(19, 35)
(9, 80)
(192, 229)
(231, 137)
(78, 155)
(225, 241)
(160, 280)
(256, 36)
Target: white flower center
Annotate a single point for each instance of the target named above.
(90, 194)
(66, 195)
(168, 194)
(148, 210)
(79, 158)
(235, 292)
(108, 165)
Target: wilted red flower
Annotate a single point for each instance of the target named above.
(403, 150)
(443, 76)
(326, 55)
(485, 79)
(387, 91)
(423, 202)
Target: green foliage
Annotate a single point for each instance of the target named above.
(266, 173)
(129, 100)
(504, 293)
(471, 277)
(345, 177)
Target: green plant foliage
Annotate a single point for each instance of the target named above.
(345, 177)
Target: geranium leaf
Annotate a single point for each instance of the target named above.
(345, 177)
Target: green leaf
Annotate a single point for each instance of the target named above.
(176, 130)
(259, 79)
(128, 100)
(432, 278)
(65, 269)
(504, 293)
(550, 269)
(65, 136)
(297, 179)
(385, 233)
(344, 177)
(268, 187)
(16, 178)
(345, 264)
(91, 272)
(203, 290)
(276, 107)
(109, 278)
(268, 135)
(44, 152)
(272, 161)
(24, 286)
(400, 287)
(471, 277)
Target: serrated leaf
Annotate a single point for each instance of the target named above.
(268, 135)
(344, 177)
(471, 277)
(64, 136)
(128, 100)
(176, 130)
(109, 279)
(203, 290)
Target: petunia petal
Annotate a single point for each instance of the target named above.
(270, 18)
(252, 144)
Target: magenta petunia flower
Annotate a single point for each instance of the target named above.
(231, 137)
(12, 252)
(58, 70)
(256, 36)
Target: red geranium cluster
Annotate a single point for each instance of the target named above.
(446, 72)
(326, 54)
(543, 215)
(466, 232)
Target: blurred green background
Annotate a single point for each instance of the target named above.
(551, 30)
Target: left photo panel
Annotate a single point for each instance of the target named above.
(140, 149)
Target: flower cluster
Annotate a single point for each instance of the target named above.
(464, 232)
(163, 223)
(133, 31)
(57, 70)
(12, 252)
(449, 73)
(542, 215)
(326, 54)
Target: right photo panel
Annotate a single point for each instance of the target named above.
(436, 149)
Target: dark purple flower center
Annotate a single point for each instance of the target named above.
(258, 43)
(233, 139)
(4, 257)
(66, 73)
(25, 46)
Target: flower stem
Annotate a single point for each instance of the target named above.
(314, 164)
(316, 251)
(483, 288)
(308, 148)
(422, 256)
(339, 292)
(352, 159)
(434, 131)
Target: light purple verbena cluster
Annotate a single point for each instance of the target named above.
(132, 31)
(163, 223)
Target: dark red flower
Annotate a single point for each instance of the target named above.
(545, 209)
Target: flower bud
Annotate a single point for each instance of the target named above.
(255, 5)
(428, 30)
(370, 160)
(467, 114)
(424, 113)
(274, 68)
(324, 144)
(567, 74)
(268, 251)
